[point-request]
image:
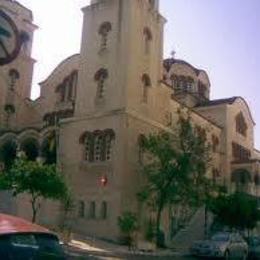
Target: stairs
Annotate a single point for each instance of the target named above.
(193, 231)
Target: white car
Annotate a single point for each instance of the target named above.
(222, 245)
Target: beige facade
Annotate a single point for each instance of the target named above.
(99, 102)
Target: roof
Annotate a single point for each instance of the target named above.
(223, 101)
(226, 101)
(62, 63)
(11, 225)
(169, 62)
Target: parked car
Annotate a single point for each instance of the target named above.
(222, 245)
(254, 247)
(22, 240)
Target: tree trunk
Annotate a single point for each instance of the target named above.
(35, 208)
(206, 221)
(158, 221)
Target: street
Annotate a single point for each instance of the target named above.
(95, 255)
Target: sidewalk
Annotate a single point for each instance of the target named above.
(93, 246)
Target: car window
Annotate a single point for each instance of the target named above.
(220, 237)
(48, 243)
(23, 240)
(30, 246)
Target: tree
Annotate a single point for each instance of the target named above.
(36, 179)
(238, 210)
(128, 225)
(175, 170)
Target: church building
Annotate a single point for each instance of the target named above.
(96, 104)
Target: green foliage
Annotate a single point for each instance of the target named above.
(176, 169)
(36, 179)
(238, 210)
(127, 223)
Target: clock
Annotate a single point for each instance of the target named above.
(10, 42)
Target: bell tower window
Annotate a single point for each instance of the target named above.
(100, 77)
(147, 40)
(13, 78)
(146, 85)
(104, 30)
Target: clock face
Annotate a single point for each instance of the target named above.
(9, 39)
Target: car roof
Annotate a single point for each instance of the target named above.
(12, 225)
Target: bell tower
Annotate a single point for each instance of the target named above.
(16, 77)
(121, 50)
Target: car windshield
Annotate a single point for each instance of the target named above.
(220, 237)
(30, 246)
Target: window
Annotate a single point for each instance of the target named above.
(182, 83)
(147, 40)
(13, 77)
(97, 145)
(72, 84)
(108, 140)
(103, 210)
(146, 84)
(215, 143)
(100, 77)
(202, 89)
(104, 29)
(241, 126)
(25, 39)
(88, 145)
(81, 212)
(141, 140)
(66, 89)
(240, 153)
(92, 210)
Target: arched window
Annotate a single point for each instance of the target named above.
(107, 149)
(141, 140)
(104, 29)
(215, 143)
(73, 80)
(241, 126)
(13, 77)
(146, 84)
(8, 152)
(92, 210)
(103, 210)
(98, 145)
(66, 89)
(31, 148)
(100, 77)
(147, 40)
(81, 210)
(25, 39)
(202, 90)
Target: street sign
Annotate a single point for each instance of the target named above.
(9, 39)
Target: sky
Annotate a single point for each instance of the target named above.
(220, 36)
